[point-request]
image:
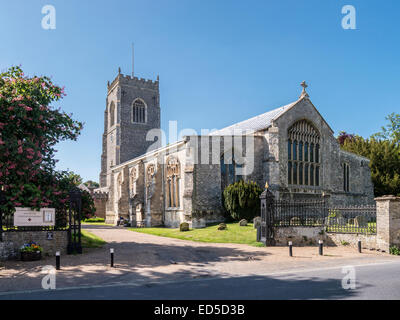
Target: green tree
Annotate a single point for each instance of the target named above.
(242, 200)
(384, 156)
(75, 178)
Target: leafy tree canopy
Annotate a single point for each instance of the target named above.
(383, 151)
(29, 130)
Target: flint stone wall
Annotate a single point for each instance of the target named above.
(17, 239)
(306, 236)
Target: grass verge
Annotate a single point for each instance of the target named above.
(89, 240)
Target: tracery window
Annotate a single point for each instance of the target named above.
(138, 111)
(173, 178)
(303, 154)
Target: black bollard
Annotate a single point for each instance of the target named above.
(290, 249)
(321, 247)
(112, 257)
(359, 246)
(58, 262)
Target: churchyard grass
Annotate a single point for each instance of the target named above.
(233, 234)
(89, 240)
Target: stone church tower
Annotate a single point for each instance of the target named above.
(132, 109)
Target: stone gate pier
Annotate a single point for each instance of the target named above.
(387, 222)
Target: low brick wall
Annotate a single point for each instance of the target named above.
(18, 239)
(305, 236)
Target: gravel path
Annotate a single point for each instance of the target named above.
(146, 258)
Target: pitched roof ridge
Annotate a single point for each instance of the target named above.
(278, 111)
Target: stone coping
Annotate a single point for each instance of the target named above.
(388, 197)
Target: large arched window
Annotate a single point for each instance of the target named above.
(173, 176)
(138, 111)
(303, 154)
(229, 169)
(112, 114)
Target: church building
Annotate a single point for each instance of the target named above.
(292, 148)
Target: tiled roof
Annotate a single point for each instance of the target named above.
(261, 122)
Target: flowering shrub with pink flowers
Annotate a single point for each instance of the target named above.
(29, 130)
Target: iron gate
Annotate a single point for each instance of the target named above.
(74, 230)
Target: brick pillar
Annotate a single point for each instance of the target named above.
(388, 222)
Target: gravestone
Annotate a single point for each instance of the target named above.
(184, 226)
(222, 226)
(361, 222)
(243, 223)
(256, 222)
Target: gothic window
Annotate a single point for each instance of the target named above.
(138, 111)
(173, 178)
(229, 169)
(112, 114)
(303, 154)
(132, 181)
(346, 177)
(301, 151)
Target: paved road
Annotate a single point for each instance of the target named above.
(373, 281)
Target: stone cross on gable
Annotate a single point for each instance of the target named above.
(304, 92)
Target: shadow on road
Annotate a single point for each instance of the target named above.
(238, 288)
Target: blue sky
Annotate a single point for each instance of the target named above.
(219, 61)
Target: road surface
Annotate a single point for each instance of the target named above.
(373, 281)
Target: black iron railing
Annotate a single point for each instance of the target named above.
(349, 219)
(299, 213)
(352, 219)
